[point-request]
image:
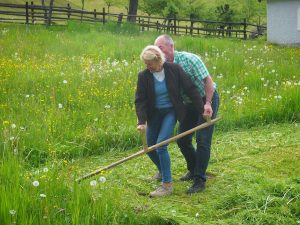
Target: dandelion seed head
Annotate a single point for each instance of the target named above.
(102, 179)
(35, 183)
(93, 183)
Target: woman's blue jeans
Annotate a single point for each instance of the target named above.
(197, 160)
(159, 129)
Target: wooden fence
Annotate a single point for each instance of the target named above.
(37, 14)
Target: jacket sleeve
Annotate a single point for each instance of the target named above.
(141, 99)
(191, 90)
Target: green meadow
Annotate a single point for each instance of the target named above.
(67, 108)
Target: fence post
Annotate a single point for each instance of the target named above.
(103, 15)
(175, 24)
(245, 29)
(45, 14)
(192, 27)
(27, 16)
(95, 15)
(120, 18)
(143, 25)
(69, 11)
(32, 12)
(50, 13)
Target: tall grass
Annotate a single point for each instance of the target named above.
(48, 196)
(69, 91)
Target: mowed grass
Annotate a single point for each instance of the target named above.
(67, 107)
(253, 179)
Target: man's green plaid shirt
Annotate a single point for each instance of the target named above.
(194, 67)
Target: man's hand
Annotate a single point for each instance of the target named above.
(207, 114)
(141, 127)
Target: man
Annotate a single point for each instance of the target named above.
(197, 160)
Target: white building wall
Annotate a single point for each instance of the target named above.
(283, 25)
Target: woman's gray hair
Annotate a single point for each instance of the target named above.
(153, 53)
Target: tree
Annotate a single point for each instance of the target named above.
(132, 11)
(172, 9)
(151, 7)
(110, 3)
(224, 13)
(194, 9)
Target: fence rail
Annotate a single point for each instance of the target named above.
(38, 14)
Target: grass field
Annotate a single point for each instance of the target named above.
(66, 107)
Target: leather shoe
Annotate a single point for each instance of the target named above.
(187, 176)
(198, 186)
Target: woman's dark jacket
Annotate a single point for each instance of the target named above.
(176, 82)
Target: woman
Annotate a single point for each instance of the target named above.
(158, 104)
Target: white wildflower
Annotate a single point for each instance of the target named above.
(107, 106)
(13, 126)
(278, 97)
(12, 212)
(60, 106)
(42, 195)
(65, 81)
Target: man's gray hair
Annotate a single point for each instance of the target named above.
(168, 40)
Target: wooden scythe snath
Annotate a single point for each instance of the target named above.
(149, 149)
